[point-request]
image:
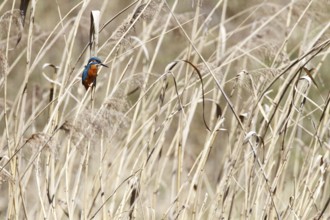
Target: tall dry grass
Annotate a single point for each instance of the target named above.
(209, 110)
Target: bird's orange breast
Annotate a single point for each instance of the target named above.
(92, 72)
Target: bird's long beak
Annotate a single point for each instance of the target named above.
(104, 65)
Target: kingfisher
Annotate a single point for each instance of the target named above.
(90, 72)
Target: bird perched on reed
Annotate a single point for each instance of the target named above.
(90, 72)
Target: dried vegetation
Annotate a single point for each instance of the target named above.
(208, 110)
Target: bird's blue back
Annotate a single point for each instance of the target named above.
(85, 73)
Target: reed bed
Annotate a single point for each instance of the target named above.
(208, 110)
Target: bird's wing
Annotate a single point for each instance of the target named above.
(84, 74)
